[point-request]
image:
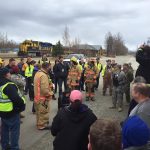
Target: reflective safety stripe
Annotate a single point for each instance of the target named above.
(29, 71)
(38, 96)
(6, 107)
(5, 100)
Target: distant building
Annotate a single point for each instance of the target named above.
(86, 49)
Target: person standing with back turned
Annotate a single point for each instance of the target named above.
(71, 125)
(11, 104)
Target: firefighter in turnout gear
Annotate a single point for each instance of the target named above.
(91, 73)
(42, 96)
(74, 75)
(107, 77)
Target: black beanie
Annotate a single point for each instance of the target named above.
(3, 72)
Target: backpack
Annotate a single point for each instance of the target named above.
(19, 80)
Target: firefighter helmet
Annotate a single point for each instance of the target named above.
(74, 59)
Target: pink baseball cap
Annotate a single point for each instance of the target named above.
(76, 95)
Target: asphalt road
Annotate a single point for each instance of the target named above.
(32, 139)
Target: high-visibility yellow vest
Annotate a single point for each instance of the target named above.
(99, 66)
(29, 71)
(43, 61)
(6, 104)
(80, 67)
(103, 71)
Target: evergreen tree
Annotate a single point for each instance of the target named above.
(57, 49)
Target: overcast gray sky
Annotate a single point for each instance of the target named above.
(89, 20)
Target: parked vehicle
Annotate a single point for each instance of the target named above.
(78, 56)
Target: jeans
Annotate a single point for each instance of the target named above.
(60, 82)
(10, 132)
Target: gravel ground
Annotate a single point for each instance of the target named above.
(100, 107)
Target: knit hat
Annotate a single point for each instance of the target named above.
(76, 95)
(3, 72)
(135, 133)
(15, 70)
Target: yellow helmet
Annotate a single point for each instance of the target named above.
(1, 61)
(73, 59)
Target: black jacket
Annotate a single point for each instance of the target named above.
(143, 58)
(63, 101)
(62, 70)
(12, 92)
(72, 128)
(51, 75)
(55, 70)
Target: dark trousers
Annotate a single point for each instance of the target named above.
(81, 83)
(127, 94)
(26, 86)
(33, 108)
(60, 82)
(30, 88)
(10, 132)
(56, 82)
(133, 103)
(97, 82)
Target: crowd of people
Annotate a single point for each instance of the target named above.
(75, 126)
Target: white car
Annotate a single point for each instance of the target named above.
(78, 56)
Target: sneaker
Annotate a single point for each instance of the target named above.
(22, 116)
(120, 109)
(25, 93)
(45, 128)
(104, 93)
(87, 98)
(92, 98)
(53, 97)
(112, 107)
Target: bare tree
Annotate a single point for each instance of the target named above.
(5, 43)
(115, 44)
(109, 43)
(76, 44)
(66, 37)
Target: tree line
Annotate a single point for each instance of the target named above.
(114, 45)
(5, 43)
